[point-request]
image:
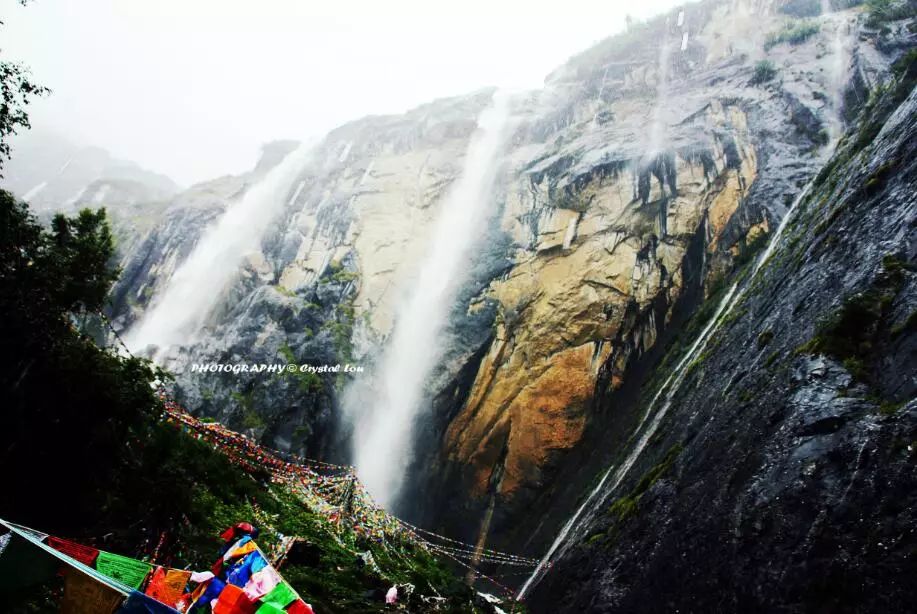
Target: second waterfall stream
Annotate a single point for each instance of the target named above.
(178, 313)
(383, 410)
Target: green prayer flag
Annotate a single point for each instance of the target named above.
(127, 571)
(280, 597)
(270, 608)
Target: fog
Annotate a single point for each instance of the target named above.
(192, 89)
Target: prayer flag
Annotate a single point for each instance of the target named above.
(281, 596)
(262, 583)
(240, 551)
(127, 571)
(84, 554)
(205, 593)
(84, 595)
(168, 585)
(299, 607)
(233, 600)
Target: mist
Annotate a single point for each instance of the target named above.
(192, 90)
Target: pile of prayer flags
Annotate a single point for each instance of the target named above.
(242, 581)
(245, 582)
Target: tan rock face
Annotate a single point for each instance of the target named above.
(563, 305)
(393, 198)
(394, 216)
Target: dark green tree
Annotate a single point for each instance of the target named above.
(83, 448)
(69, 406)
(16, 90)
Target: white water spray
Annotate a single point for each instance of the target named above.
(839, 69)
(657, 125)
(196, 286)
(669, 387)
(383, 423)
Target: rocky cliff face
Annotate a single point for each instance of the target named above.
(618, 239)
(322, 287)
(782, 477)
(643, 177)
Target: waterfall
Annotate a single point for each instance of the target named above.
(194, 290)
(838, 71)
(669, 387)
(383, 411)
(657, 125)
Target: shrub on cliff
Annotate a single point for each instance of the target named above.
(764, 71)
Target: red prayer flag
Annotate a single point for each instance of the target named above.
(168, 585)
(84, 554)
(299, 607)
(233, 600)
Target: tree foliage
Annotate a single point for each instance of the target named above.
(16, 91)
(881, 12)
(69, 406)
(81, 421)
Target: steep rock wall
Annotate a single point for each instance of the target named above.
(618, 242)
(794, 431)
(634, 182)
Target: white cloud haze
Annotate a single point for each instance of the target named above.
(192, 88)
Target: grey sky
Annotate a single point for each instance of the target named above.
(192, 88)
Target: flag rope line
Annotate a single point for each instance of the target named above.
(300, 474)
(472, 547)
(30, 535)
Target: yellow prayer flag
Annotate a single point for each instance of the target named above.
(85, 595)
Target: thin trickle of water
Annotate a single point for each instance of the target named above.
(366, 173)
(296, 194)
(383, 410)
(858, 463)
(345, 152)
(34, 191)
(177, 314)
(669, 387)
(72, 200)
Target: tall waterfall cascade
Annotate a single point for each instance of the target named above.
(384, 414)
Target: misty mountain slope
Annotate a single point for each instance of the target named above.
(354, 219)
(783, 476)
(646, 174)
(55, 175)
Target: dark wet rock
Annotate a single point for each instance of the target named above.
(794, 490)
